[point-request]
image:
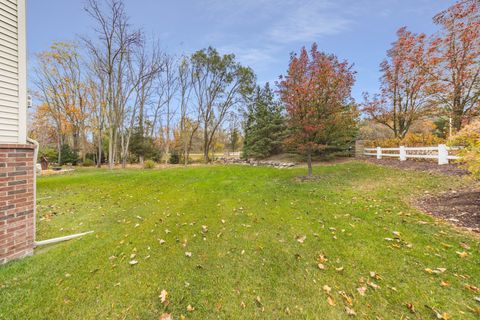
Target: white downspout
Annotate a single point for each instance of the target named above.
(35, 159)
(50, 241)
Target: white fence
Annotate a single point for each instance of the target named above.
(440, 153)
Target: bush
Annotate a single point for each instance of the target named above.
(149, 164)
(50, 153)
(88, 163)
(68, 155)
(174, 158)
(469, 137)
(410, 140)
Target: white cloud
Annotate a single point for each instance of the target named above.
(307, 22)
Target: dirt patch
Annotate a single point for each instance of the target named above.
(424, 166)
(461, 208)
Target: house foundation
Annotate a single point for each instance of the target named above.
(17, 201)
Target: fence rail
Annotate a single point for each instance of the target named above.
(440, 153)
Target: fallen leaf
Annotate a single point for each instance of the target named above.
(166, 316)
(322, 259)
(375, 275)
(411, 307)
(346, 298)
(133, 262)
(350, 312)
(190, 308)
(362, 290)
(462, 254)
(471, 288)
(164, 296)
(327, 289)
(301, 239)
(258, 302)
(321, 266)
(373, 285)
(188, 254)
(444, 284)
(330, 301)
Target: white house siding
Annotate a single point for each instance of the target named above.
(13, 95)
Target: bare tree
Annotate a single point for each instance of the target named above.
(111, 51)
(220, 84)
(167, 88)
(144, 68)
(185, 89)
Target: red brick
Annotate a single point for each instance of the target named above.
(17, 226)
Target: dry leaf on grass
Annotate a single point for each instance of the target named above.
(301, 239)
(166, 316)
(362, 290)
(164, 297)
(330, 301)
(350, 312)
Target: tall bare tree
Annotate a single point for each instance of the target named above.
(111, 51)
(220, 84)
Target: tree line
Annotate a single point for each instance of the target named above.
(115, 96)
(118, 98)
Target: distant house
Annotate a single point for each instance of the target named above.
(17, 152)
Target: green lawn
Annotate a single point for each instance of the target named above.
(250, 260)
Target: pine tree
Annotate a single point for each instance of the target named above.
(264, 125)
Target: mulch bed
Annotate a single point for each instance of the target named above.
(425, 166)
(461, 207)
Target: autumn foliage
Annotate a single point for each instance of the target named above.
(317, 95)
(431, 76)
(457, 69)
(405, 84)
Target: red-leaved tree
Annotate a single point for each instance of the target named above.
(406, 85)
(317, 95)
(458, 66)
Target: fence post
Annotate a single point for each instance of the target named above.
(403, 153)
(359, 149)
(379, 153)
(442, 154)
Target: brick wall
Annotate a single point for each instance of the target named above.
(17, 216)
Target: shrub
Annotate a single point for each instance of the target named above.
(469, 137)
(149, 164)
(174, 158)
(50, 153)
(68, 155)
(88, 163)
(410, 140)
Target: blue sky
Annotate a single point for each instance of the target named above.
(261, 33)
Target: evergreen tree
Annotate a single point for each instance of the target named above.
(264, 125)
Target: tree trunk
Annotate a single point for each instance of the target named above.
(457, 117)
(110, 149)
(100, 147)
(206, 145)
(59, 149)
(309, 162)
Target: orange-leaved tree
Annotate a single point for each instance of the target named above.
(406, 84)
(317, 95)
(457, 72)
